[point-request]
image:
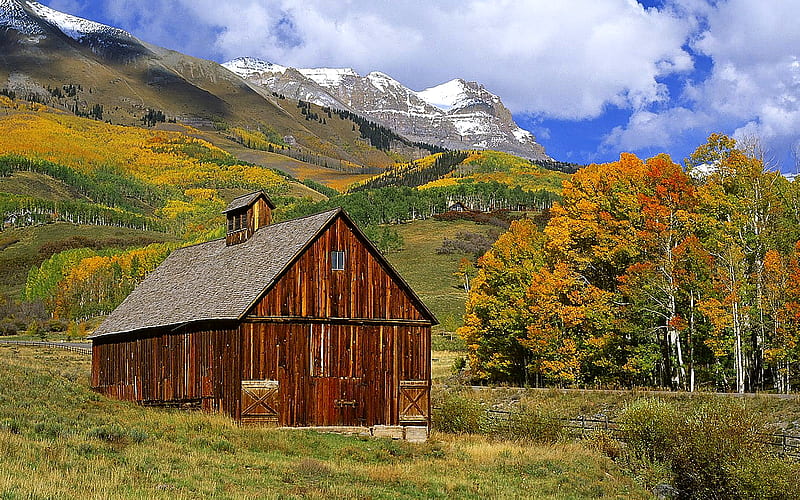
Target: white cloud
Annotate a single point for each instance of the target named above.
(565, 60)
(753, 88)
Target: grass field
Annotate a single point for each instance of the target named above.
(60, 440)
(431, 274)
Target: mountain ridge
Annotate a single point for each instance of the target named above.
(468, 116)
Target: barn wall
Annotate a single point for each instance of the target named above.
(336, 374)
(199, 366)
(321, 368)
(364, 289)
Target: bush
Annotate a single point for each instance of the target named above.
(648, 427)
(717, 442)
(713, 451)
(532, 424)
(458, 414)
(111, 433)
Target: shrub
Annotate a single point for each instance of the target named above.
(533, 424)
(111, 433)
(648, 426)
(716, 441)
(713, 451)
(458, 414)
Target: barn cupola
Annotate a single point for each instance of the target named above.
(246, 214)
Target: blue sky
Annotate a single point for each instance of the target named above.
(590, 78)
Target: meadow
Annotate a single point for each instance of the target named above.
(58, 439)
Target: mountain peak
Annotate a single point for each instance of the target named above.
(446, 95)
(329, 77)
(22, 16)
(253, 65)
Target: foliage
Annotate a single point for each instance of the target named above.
(415, 173)
(458, 414)
(644, 275)
(80, 283)
(321, 188)
(391, 205)
(713, 451)
(386, 238)
(158, 159)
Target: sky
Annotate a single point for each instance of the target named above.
(590, 78)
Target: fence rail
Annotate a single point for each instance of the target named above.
(784, 444)
(85, 349)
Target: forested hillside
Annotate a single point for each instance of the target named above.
(648, 276)
(149, 190)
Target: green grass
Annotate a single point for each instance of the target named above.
(58, 439)
(430, 274)
(38, 186)
(20, 247)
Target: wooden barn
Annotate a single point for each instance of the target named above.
(300, 323)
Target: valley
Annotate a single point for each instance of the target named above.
(635, 292)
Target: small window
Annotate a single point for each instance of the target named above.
(237, 222)
(337, 261)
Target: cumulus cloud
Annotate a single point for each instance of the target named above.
(753, 88)
(566, 60)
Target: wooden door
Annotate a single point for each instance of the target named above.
(260, 401)
(414, 402)
(336, 379)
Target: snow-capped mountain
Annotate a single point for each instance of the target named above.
(456, 114)
(33, 21)
(43, 49)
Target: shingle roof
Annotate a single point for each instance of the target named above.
(245, 200)
(212, 281)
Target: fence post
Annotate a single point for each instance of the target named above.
(783, 443)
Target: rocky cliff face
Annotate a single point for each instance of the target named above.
(456, 114)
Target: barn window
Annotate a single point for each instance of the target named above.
(237, 222)
(337, 261)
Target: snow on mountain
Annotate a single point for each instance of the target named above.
(252, 65)
(13, 16)
(328, 77)
(444, 96)
(382, 81)
(74, 27)
(27, 18)
(456, 114)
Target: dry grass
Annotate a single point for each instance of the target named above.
(60, 440)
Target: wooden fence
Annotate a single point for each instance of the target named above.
(784, 444)
(79, 348)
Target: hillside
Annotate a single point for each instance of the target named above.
(84, 201)
(464, 167)
(97, 71)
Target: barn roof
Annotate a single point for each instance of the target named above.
(212, 281)
(246, 200)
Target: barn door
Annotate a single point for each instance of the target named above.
(260, 401)
(414, 402)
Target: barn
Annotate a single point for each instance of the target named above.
(298, 323)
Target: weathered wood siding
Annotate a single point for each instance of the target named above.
(257, 215)
(310, 289)
(336, 344)
(199, 366)
(336, 374)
